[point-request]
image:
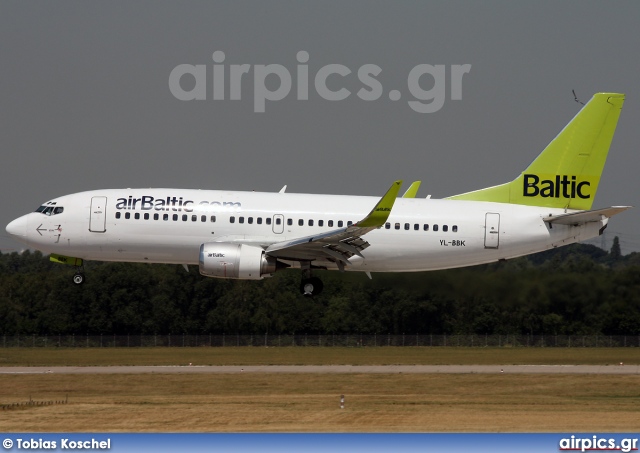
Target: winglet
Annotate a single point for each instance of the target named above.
(412, 191)
(380, 213)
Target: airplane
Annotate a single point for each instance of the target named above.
(252, 235)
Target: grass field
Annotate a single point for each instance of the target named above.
(310, 403)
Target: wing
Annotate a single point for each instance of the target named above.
(341, 244)
(582, 217)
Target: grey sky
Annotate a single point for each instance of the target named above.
(85, 101)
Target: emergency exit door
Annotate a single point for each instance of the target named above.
(491, 230)
(278, 224)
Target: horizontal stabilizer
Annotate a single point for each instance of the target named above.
(580, 218)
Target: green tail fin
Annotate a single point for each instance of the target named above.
(567, 173)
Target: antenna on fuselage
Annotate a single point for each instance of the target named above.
(575, 97)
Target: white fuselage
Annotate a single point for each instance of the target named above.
(169, 225)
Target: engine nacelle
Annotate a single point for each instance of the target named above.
(227, 260)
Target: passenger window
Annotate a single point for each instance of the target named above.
(259, 220)
(407, 226)
(330, 223)
(454, 228)
(137, 215)
(165, 216)
(387, 225)
(240, 219)
(320, 223)
(426, 227)
(349, 223)
(289, 222)
(156, 216)
(250, 220)
(185, 217)
(127, 215)
(213, 219)
(194, 218)
(146, 216)
(416, 226)
(397, 226)
(340, 223)
(435, 228)
(117, 215)
(300, 222)
(268, 221)
(232, 219)
(445, 228)
(175, 217)
(310, 222)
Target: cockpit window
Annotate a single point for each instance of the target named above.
(50, 210)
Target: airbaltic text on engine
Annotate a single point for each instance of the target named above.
(561, 187)
(147, 203)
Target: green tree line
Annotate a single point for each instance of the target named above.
(575, 290)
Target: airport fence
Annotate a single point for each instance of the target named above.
(326, 340)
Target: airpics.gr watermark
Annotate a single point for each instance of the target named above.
(226, 82)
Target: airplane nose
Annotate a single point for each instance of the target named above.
(18, 228)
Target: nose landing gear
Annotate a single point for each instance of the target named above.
(77, 263)
(78, 278)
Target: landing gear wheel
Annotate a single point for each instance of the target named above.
(78, 278)
(311, 286)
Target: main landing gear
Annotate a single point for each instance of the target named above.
(309, 286)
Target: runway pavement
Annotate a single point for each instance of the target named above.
(333, 369)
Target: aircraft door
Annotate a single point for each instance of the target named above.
(492, 230)
(278, 224)
(98, 218)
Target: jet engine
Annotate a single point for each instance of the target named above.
(241, 261)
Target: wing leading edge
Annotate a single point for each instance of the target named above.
(341, 244)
